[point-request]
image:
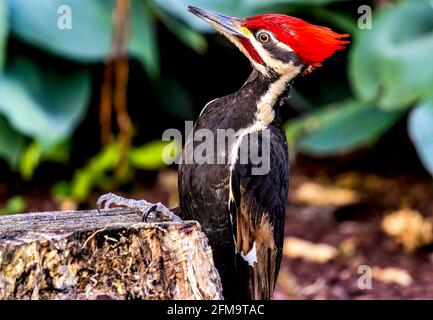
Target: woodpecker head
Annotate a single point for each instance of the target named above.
(277, 44)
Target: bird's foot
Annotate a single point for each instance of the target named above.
(158, 211)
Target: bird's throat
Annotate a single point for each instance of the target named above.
(266, 107)
(268, 103)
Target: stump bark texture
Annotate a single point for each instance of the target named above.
(107, 255)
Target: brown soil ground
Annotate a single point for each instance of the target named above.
(359, 224)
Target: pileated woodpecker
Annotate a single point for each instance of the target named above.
(242, 213)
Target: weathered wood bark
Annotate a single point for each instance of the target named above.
(111, 255)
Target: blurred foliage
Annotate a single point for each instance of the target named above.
(14, 205)
(392, 63)
(421, 132)
(340, 128)
(101, 170)
(390, 72)
(89, 39)
(3, 33)
(47, 110)
(11, 143)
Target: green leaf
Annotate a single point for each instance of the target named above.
(30, 160)
(342, 20)
(240, 8)
(393, 62)
(62, 190)
(36, 21)
(89, 38)
(179, 9)
(33, 155)
(96, 173)
(188, 36)
(260, 4)
(150, 156)
(106, 160)
(82, 185)
(14, 205)
(86, 178)
(340, 128)
(421, 132)
(60, 153)
(97, 170)
(43, 103)
(4, 30)
(144, 42)
(11, 143)
(363, 66)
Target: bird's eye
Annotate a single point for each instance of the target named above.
(264, 37)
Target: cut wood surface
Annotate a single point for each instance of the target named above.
(107, 255)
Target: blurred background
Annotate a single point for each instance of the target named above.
(88, 87)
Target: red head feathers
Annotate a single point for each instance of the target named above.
(313, 44)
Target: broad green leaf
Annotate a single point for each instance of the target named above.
(188, 36)
(340, 128)
(239, 8)
(393, 62)
(406, 54)
(342, 20)
(260, 4)
(150, 156)
(363, 66)
(144, 42)
(421, 132)
(179, 9)
(89, 38)
(43, 103)
(4, 30)
(11, 143)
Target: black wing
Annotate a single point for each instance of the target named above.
(258, 211)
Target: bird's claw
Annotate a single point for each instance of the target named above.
(158, 210)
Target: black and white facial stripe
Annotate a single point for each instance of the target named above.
(277, 49)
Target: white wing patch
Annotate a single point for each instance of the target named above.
(251, 256)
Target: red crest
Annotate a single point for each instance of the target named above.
(313, 44)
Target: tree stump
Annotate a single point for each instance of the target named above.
(107, 255)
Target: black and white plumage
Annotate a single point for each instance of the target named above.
(243, 212)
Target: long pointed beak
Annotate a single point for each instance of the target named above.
(231, 26)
